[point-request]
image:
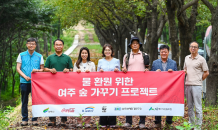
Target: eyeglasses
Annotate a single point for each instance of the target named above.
(29, 43)
(193, 47)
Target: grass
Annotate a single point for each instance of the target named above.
(86, 38)
(95, 48)
(95, 38)
(89, 26)
(4, 122)
(210, 118)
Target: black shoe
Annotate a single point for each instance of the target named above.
(24, 123)
(35, 123)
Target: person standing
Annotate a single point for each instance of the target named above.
(135, 61)
(28, 62)
(58, 62)
(196, 70)
(164, 64)
(84, 64)
(108, 64)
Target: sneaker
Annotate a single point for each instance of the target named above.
(141, 126)
(157, 125)
(112, 126)
(51, 123)
(87, 125)
(79, 125)
(24, 123)
(127, 125)
(35, 123)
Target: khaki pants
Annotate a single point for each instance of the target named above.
(194, 96)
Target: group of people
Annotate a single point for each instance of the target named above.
(195, 67)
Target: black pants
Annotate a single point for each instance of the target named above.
(53, 119)
(108, 120)
(168, 119)
(129, 119)
(25, 90)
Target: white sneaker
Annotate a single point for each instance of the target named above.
(127, 125)
(112, 126)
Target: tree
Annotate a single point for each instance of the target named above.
(186, 25)
(212, 82)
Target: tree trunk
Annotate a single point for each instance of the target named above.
(50, 40)
(212, 82)
(154, 39)
(148, 35)
(59, 28)
(186, 29)
(38, 46)
(45, 44)
(173, 32)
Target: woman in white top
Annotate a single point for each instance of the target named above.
(84, 64)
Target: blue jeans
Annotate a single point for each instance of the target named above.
(25, 90)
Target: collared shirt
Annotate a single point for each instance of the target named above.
(195, 69)
(58, 62)
(164, 65)
(28, 63)
(108, 65)
(136, 62)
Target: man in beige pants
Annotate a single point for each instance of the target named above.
(196, 70)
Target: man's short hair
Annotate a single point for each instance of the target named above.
(164, 47)
(58, 40)
(31, 40)
(194, 42)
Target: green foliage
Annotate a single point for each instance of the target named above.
(95, 38)
(95, 47)
(97, 125)
(4, 122)
(186, 126)
(86, 38)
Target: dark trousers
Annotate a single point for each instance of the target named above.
(53, 119)
(141, 121)
(168, 119)
(25, 90)
(108, 120)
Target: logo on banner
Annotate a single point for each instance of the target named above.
(160, 109)
(117, 109)
(47, 110)
(131, 108)
(89, 109)
(70, 110)
(151, 109)
(104, 109)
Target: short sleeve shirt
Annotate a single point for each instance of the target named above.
(59, 62)
(195, 69)
(136, 62)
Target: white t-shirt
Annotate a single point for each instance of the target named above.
(84, 66)
(20, 61)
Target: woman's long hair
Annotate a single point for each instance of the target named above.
(80, 58)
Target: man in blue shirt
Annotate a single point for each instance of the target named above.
(164, 64)
(28, 62)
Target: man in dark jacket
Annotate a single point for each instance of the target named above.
(164, 64)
